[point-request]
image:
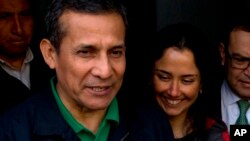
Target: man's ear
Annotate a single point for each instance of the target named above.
(222, 53)
(49, 53)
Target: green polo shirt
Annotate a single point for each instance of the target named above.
(82, 132)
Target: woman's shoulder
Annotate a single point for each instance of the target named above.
(149, 123)
(216, 129)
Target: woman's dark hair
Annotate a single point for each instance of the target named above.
(182, 36)
(186, 36)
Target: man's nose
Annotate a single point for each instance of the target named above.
(16, 25)
(102, 68)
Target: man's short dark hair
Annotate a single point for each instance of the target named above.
(54, 31)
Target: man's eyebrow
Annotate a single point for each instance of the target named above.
(119, 47)
(6, 12)
(93, 46)
(84, 46)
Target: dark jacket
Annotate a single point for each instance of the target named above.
(39, 119)
(13, 91)
(150, 123)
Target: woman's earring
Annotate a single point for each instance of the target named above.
(200, 91)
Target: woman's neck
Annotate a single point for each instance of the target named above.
(181, 126)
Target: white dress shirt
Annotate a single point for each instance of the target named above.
(24, 74)
(229, 108)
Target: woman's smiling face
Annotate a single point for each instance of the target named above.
(176, 81)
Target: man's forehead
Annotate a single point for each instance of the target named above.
(14, 5)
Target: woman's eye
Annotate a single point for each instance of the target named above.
(187, 81)
(163, 77)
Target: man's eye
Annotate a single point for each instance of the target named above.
(116, 53)
(239, 59)
(85, 53)
(4, 16)
(26, 13)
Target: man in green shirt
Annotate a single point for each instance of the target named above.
(85, 45)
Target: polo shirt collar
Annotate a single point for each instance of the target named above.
(111, 115)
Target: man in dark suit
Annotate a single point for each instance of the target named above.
(233, 101)
(21, 70)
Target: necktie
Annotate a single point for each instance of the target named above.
(243, 106)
